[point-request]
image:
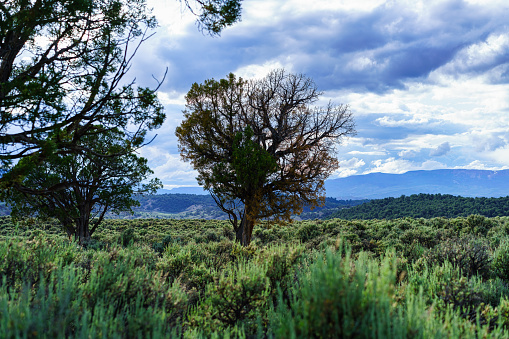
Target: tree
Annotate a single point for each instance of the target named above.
(93, 185)
(62, 73)
(259, 148)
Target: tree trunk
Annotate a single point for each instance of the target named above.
(82, 230)
(245, 230)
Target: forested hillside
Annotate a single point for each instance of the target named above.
(191, 206)
(426, 206)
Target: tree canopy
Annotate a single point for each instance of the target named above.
(89, 185)
(62, 72)
(70, 121)
(426, 206)
(259, 147)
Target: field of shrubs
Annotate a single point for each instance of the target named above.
(148, 278)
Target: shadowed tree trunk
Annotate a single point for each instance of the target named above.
(245, 230)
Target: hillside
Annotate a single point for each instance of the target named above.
(426, 206)
(192, 206)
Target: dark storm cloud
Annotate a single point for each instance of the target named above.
(375, 51)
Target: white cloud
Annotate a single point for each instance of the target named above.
(171, 98)
(407, 153)
(478, 165)
(367, 153)
(399, 166)
(343, 173)
(169, 167)
(500, 156)
(255, 71)
(478, 56)
(390, 165)
(348, 167)
(387, 121)
(441, 150)
(352, 163)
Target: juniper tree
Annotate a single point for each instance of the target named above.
(63, 67)
(260, 148)
(78, 189)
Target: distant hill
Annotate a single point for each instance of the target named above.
(458, 182)
(184, 190)
(187, 206)
(426, 206)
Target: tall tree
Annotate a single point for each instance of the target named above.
(62, 73)
(259, 147)
(91, 184)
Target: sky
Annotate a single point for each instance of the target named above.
(427, 81)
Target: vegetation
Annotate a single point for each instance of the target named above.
(79, 53)
(402, 278)
(192, 206)
(70, 122)
(70, 87)
(426, 206)
(258, 146)
(92, 186)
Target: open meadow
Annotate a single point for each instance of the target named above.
(403, 278)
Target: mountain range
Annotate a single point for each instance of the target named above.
(459, 182)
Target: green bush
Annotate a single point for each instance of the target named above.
(127, 237)
(342, 297)
(470, 254)
(238, 297)
(501, 260)
(199, 284)
(308, 231)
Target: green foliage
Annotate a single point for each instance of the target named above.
(501, 260)
(469, 254)
(90, 184)
(218, 14)
(308, 231)
(358, 282)
(238, 296)
(427, 206)
(72, 80)
(257, 164)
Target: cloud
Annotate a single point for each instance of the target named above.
(481, 57)
(491, 143)
(442, 149)
(419, 75)
(407, 153)
(414, 120)
(478, 165)
(399, 166)
(169, 167)
(367, 153)
(348, 167)
(374, 50)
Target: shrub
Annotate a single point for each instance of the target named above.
(238, 297)
(159, 247)
(501, 260)
(341, 297)
(308, 231)
(471, 255)
(478, 224)
(127, 237)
